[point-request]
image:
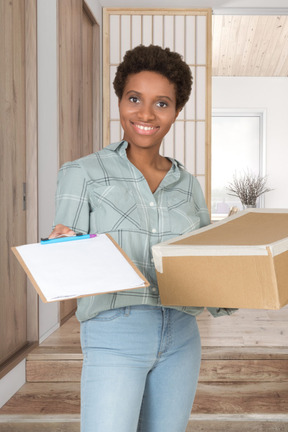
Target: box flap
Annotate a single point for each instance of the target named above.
(253, 228)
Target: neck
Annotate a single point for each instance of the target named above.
(153, 166)
(144, 157)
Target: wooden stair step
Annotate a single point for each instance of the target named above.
(45, 399)
(236, 423)
(245, 353)
(217, 370)
(241, 398)
(197, 423)
(73, 351)
(211, 398)
(38, 423)
(50, 364)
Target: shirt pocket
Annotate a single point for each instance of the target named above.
(183, 216)
(113, 208)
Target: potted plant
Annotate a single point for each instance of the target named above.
(248, 188)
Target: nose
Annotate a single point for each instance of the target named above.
(146, 113)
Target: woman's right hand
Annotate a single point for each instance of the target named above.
(61, 230)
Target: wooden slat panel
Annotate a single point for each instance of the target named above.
(175, 23)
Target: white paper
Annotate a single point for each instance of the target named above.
(78, 268)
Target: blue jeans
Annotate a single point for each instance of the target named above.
(140, 370)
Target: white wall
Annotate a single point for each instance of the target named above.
(11, 383)
(47, 138)
(269, 94)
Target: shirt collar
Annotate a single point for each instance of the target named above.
(121, 147)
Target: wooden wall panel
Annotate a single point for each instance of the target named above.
(18, 167)
(13, 175)
(70, 80)
(78, 89)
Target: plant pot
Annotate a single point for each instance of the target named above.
(247, 206)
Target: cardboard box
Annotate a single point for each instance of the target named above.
(239, 262)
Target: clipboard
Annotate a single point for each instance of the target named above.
(67, 270)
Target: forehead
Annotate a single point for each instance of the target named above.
(150, 82)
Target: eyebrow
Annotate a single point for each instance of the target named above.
(157, 97)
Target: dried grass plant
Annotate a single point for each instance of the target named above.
(248, 188)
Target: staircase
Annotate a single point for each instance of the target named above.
(240, 389)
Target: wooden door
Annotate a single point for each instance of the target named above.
(78, 90)
(18, 121)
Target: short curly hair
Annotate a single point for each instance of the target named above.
(156, 59)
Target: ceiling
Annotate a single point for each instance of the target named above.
(250, 45)
(250, 37)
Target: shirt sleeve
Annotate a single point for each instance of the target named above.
(218, 312)
(200, 204)
(72, 205)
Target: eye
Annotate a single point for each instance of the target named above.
(134, 99)
(162, 104)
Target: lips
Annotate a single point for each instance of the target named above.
(143, 129)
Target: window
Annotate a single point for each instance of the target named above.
(237, 147)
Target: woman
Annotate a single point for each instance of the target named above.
(141, 360)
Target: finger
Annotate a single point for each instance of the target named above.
(61, 230)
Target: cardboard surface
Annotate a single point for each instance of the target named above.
(240, 262)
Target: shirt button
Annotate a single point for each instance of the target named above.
(154, 230)
(154, 289)
(151, 204)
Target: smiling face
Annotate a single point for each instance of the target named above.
(147, 109)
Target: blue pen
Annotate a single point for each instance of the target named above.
(68, 238)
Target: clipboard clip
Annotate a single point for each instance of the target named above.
(65, 238)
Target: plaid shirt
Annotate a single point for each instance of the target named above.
(105, 193)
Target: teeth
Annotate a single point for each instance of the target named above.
(146, 128)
